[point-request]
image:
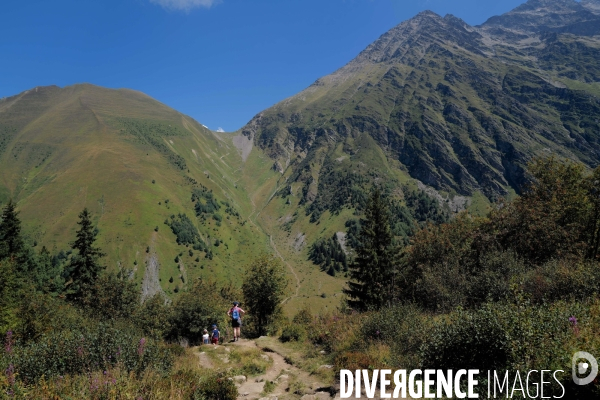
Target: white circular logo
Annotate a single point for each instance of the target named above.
(581, 368)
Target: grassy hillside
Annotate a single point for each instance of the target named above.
(133, 162)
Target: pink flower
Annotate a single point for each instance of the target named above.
(141, 346)
(9, 342)
(10, 374)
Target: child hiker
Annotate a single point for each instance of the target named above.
(214, 335)
(205, 337)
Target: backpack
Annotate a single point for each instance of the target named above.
(235, 314)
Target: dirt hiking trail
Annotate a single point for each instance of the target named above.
(286, 380)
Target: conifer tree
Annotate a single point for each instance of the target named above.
(372, 273)
(84, 267)
(11, 241)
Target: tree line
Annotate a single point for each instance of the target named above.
(547, 240)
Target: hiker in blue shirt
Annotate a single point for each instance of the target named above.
(235, 313)
(214, 335)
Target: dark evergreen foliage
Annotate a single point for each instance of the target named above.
(206, 203)
(84, 267)
(186, 232)
(11, 241)
(372, 274)
(329, 255)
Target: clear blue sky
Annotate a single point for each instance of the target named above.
(220, 62)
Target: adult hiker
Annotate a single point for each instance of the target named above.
(235, 313)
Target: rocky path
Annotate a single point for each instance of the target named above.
(281, 375)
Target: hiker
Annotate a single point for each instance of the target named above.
(235, 313)
(205, 338)
(214, 335)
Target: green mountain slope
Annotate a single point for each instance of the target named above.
(434, 109)
(134, 163)
(459, 108)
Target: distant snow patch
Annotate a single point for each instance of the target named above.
(220, 129)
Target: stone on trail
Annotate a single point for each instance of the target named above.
(239, 379)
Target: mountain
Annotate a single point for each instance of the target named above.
(442, 115)
(136, 164)
(457, 107)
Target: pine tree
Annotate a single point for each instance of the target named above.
(11, 241)
(84, 267)
(371, 284)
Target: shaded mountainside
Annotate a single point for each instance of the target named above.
(460, 108)
(160, 186)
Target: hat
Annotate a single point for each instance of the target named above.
(214, 326)
(235, 303)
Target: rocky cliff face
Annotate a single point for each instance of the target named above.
(458, 107)
(542, 16)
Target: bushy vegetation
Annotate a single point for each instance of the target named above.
(154, 134)
(263, 289)
(206, 203)
(98, 341)
(328, 254)
(517, 290)
(186, 232)
(545, 242)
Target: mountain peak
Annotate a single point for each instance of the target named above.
(560, 16)
(422, 30)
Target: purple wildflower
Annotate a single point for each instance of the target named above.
(9, 342)
(141, 346)
(573, 322)
(10, 374)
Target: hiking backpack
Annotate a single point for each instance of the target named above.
(235, 314)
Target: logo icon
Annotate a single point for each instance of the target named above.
(580, 368)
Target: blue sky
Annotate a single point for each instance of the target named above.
(220, 62)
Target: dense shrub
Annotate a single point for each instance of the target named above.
(85, 350)
(403, 328)
(197, 309)
(153, 317)
(111, 297)
(216, 387)
(186, 231)
(529, 241)
(303, 317)
(467, 341)
(40, 314)
(296, 333)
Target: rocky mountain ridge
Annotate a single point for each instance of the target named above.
(460, 108)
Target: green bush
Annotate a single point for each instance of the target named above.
(88, 349)
(111, 297)
(153, 317)
(216, 387)
(195, 310)
(296, 333)
(467, 340)
(303, 317)
(403, 327)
